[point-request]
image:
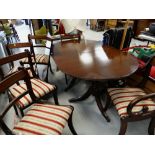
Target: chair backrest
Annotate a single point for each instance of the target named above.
(11, 47)
(16, 57)
(70, 38)
(8, 82)
(40, 38)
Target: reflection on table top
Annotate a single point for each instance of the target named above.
(89, 60)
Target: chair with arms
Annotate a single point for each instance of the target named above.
(70, 38)
(42, 118)
(16, 48)
(134, 104)
(41, 89)
(41, 59)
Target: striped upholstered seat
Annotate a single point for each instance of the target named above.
(121, 98)
(43, 119)
(39, 87)
(40, 58)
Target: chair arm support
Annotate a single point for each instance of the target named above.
(135, 101)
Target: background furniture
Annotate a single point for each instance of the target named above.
(118, 37)
(97, 24)
(148, 34)
(110, 23)
(140, 25)
(10, 32)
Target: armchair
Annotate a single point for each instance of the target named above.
(133, 104)
(42, 118)
(40, 88)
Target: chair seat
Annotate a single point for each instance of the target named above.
(43, 119)
(39, 87)
(121, 98)
(40, 58)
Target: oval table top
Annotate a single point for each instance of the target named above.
(90, 60)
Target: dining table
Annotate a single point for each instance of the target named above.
(89, 60)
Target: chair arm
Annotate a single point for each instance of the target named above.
(135, 101)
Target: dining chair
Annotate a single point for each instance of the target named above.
(70, 37)
(134, 103)
(65, 38)
(40, 88)
(41, 59)
(42, 118)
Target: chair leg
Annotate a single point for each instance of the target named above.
(46, 78)
(16, 111)
(51, 68)
(70, 124)
(108, 102)
(123, 127)
(55, 97)
(151, 126)
(22, 112)
(66, 79)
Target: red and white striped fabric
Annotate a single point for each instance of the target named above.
(121, 98)
(43, 119)
(40, 88)
(40, 58)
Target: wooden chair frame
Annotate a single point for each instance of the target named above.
(10, 47)
(70, 38)
(42, 37)
(9, 81)
(19, 56)
(144, 113)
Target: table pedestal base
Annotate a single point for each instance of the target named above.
(96, 89)
(71, 84)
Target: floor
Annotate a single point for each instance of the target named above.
(86, 118)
